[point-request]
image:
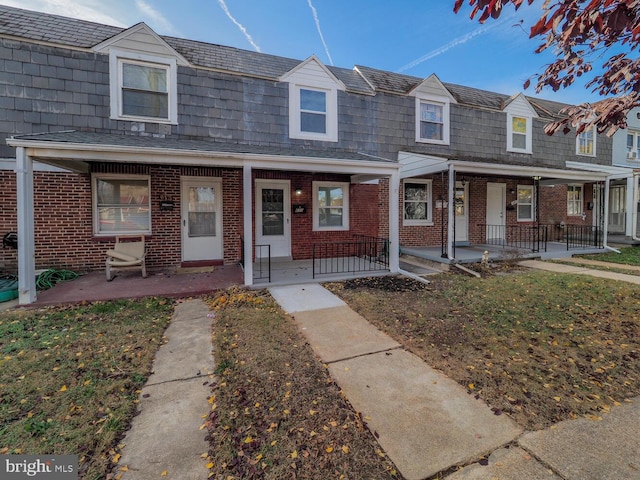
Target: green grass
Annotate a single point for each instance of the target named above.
(70, 377)
(627, 255)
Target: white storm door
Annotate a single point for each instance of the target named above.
(201, 219)
(617, 208)
(496, 204)
(461, 211)
(273, 217)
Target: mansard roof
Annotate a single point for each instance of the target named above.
(82, 34)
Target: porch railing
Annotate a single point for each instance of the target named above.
(364, 253)
(583, 236)
(523, 237)
(262, 261)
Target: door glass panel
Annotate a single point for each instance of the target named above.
(202, 212)
(272, 211)
(459, 202)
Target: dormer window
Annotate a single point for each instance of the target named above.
(313, 113)
(143, 88)
(432, 120)
(519, 133)
(586, 143)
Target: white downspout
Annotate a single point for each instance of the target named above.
(394, 222)
(634, 206)
(26, 244)
(247, 194)
(450, 212)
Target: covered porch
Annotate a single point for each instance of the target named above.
(509, 211)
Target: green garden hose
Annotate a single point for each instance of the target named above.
(49, 278)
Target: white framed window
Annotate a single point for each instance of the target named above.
(143, 88)
(519, 136)
(432, 120)
(586, 142)
(574, 200)
(633, 145)
(417, 206)
(526, 207)
(313, 113)
(121, 204)
(330, 205)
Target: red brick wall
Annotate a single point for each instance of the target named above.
(8, 219)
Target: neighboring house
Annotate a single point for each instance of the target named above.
(623, 192)
(213, 153)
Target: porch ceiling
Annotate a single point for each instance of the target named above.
(415, 165)
(75, 150)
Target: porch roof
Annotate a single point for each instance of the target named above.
(415, 165)
(73, 150)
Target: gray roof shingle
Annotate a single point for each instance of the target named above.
(56, 29)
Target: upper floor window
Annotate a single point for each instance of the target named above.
(313, 113)
(432, 121)
(330, 206)
(121, 204)
(519, 137)
(417, 202)
(574, 199)
(586, 142)
(143, 88)
(633, 145)
(526, 208)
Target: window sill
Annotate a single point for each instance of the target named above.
(426, 223)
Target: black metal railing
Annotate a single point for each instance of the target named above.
(523, 237)
(364, 253)
(583, 236)
(261, 261)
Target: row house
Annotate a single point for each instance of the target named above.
(219, 155)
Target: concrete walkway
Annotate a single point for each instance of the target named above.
(423, 420)
(427, 424)
(563, 268)
(165, 436)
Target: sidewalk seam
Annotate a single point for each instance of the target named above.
(399, 347)
(175, 380)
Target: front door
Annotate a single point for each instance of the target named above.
(496, 204)
(617, 208)
(461, 209)
(201, 219)
(273, 217)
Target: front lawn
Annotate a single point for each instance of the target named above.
(70, 377)
(627, 256)
(540, 347)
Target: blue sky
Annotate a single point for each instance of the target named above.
(414, 37)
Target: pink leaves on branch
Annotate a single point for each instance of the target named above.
(582, 32)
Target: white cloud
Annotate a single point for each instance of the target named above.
(317, 20)
(452, 44)
(157, 19)
(224, 7)
(88, 10)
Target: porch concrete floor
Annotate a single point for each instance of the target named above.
(473, 253)
(94, 286)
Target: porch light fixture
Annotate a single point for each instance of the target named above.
(463, 181)
(298, 191)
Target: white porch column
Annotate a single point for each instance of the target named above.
(394, 222)
(605, 220)
(247, 195)
(451, 220)
(26, 244)
(635, 180)
(631, 206)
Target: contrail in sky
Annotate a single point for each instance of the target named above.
(317, 20)
(453, 43)
(239, 25)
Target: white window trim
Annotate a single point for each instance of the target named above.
(429, 220)
(579, 202)
(633, 155)
(533, 204)
(445, 102)
(116, 59)
(345, 206)
(529, 137)
(94, 203)
(594, 136)
(295, 130)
